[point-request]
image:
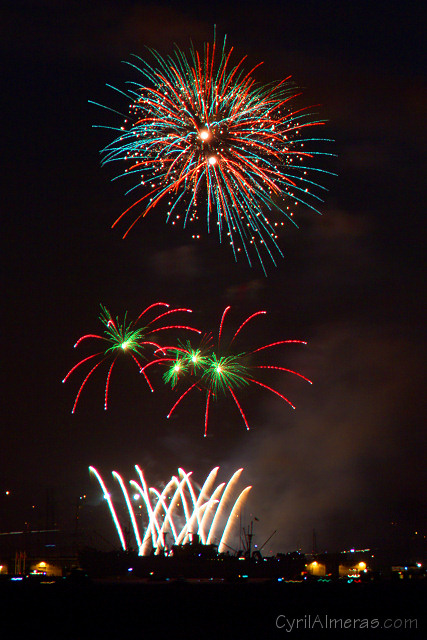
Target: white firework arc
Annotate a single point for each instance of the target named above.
(107, 497)
(221, 504)
(130, 508)
(208, 512)
(230, 522)
(179, 510)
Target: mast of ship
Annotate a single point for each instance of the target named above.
(250, 536)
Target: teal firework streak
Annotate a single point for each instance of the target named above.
(213, 146)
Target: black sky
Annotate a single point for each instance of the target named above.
(351, 458)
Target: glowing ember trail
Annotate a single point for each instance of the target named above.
(209, 146)
(220, 369)
(137, 340)
(178, 512)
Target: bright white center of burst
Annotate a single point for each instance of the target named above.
(176, 367)
(212, 160)
(204, 134)
(194, 358)
(125, 345)
(218, 369)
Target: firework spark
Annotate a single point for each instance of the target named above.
(135, 339)
(206, 140)
(179, 511)
(221, 371)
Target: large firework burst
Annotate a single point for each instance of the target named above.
(134, 339)
(205, 139)
(179, 511)
(221, 371)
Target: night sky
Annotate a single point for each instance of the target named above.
(351, 459)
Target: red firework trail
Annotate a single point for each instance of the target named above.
(221, 371)
(125, 338)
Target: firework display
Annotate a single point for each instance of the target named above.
(210, 148)
(217, 370)
(136, 339)
(182, 509)
(208, 144)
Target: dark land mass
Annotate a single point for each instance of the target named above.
(204, 609)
